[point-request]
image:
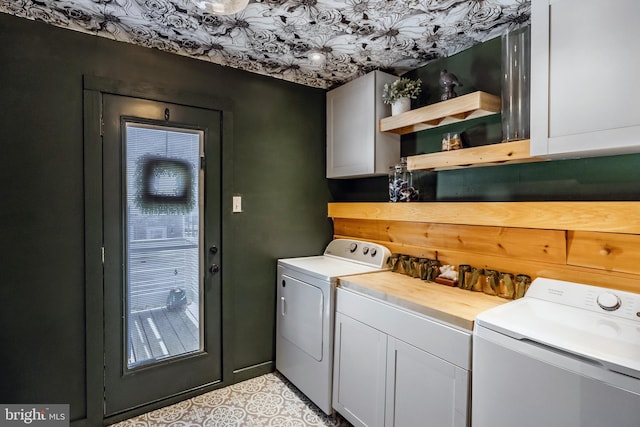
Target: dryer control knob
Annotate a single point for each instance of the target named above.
(353, 247)
(365, 250)
(608, 301)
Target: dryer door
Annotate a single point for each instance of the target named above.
(300, 311)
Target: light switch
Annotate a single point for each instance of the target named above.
(237, 204)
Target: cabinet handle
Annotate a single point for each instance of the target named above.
(282, 302)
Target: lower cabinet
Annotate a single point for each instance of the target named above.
(380, 380)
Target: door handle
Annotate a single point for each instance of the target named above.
(214, 268)
(282, 309)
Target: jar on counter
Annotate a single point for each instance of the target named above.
(523, 282)
(463, 275)
(490, 286)
(392, 262)
(433, 270)
(506, 286)
(401, 187)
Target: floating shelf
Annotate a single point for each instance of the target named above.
(486, 155)
(465, 107)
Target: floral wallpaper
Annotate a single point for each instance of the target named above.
(274, 37)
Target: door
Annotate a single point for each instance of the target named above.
(359, 372)
(300, 315)
(161, 234)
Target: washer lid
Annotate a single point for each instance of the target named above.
(612, 341)
(326, 267)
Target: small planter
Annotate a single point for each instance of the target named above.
(401, 105)
(400, 93)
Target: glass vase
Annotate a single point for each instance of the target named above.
(516, 72)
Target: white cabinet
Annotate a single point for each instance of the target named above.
(385, 369)
(585, 96)
(355, 146)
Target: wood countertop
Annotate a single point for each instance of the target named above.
(445, 303)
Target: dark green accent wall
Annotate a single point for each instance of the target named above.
(278, 167)
(605, 178)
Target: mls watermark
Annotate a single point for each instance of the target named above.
(34, 415)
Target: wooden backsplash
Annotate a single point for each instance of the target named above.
(596, 243)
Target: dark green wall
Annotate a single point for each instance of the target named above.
(606, 178)
(278, 167)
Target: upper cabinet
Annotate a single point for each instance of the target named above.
(585, 94)
(355, 146)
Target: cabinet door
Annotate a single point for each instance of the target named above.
(359, 372)
(585, 98)
(350, 128)
(423, 387)
(355, 146)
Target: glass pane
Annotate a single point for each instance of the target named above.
(163, 241)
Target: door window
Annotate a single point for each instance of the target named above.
(163, 283)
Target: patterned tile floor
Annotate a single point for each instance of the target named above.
(266, 401)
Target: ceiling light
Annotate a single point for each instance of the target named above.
(221, 7)
(316, 56)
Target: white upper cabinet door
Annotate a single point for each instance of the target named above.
(585, 94)
(355, 146)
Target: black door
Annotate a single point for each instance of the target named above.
(161, 234)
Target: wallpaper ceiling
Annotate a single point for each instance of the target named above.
(275, 37)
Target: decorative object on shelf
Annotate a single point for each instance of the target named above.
(400, 106)
(516, 72)
(448, 82)
(221, 7)
(401, 183)
(400, 93)
(451, 141)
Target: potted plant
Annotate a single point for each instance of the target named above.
(400, 93)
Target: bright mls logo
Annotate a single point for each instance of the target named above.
(34, 415)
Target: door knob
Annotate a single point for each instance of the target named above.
(214, 268)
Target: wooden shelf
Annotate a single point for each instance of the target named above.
(605, 217)
(486, 155)
(465, 107)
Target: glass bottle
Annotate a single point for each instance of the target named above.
(401, 187)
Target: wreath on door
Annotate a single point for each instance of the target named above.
(164, 185)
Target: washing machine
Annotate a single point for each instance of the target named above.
(306, 310)
(565, 355)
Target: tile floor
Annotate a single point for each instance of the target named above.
(266, 401)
